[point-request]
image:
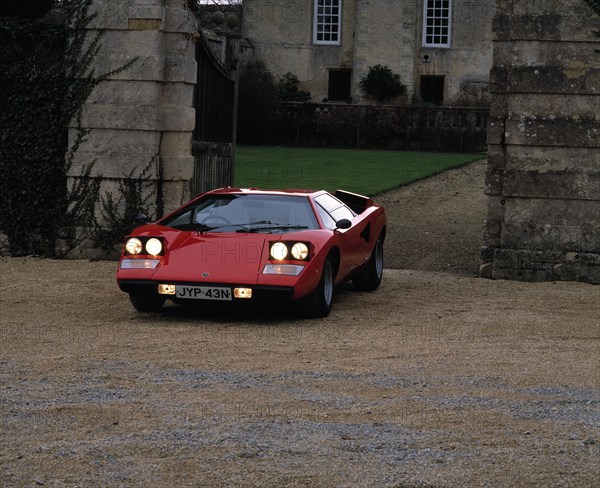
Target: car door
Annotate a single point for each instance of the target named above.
(352, 241)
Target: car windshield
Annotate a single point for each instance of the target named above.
(245, 213)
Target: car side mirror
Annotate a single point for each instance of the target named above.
(343, 224)
(141, 219)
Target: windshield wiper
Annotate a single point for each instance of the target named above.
(273, 227)
(207, 228)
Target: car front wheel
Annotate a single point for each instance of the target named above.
(370, 277)
(319, 303)
(145, 303)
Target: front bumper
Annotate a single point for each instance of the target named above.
(259, 292)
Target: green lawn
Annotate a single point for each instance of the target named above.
(365, 172)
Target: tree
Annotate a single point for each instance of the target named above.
(289, 91)
(382, 84)
(257, 98)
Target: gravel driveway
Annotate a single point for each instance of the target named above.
(436, 379)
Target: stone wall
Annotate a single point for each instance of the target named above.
(543, 178)
(411, 128)
(143, 117)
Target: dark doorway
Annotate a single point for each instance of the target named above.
(432, 89)
(339, 85)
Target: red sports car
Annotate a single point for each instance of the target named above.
(248, 245)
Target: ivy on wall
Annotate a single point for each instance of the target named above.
(47, 75)
(595, 6)
(34, 138)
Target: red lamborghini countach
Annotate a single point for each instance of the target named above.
(251, 245)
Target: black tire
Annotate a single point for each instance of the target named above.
(319, 303)
(369, 278)
(147, 303)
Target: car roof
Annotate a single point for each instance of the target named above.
(260, 191)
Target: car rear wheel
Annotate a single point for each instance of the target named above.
(319, 303)
(146, 303)
(370, 277)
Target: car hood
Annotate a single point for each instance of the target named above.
(215, 258)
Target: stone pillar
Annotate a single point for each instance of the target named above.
(141, 119)
(543, 177)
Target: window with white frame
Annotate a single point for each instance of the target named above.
(327, 21)
(437, 15)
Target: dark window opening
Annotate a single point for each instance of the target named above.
(339, 85)
(432, 89)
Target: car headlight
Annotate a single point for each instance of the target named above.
(300, 251)
(154, 246)
(279, 251)
(133, 246)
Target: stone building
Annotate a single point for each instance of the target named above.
(543, 179)
(442, 49)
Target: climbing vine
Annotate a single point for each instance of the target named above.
(595, 6)
(47, 74)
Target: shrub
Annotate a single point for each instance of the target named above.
(382, 84)
(289, 91)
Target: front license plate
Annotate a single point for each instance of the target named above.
(203, 292)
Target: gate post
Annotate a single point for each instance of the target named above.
(141, 119)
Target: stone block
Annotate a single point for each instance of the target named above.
(146, 11)
(537, 20)
(116, 154)
(496, 130)
(558, 132)
(532, 265)
(516, 210)
(116, 164)
(111, 14)
(494, 177)
(543, 159)
(178, 118)
(499, 105)
(497, 207)
(590, 238)
(178, 20)
(178, 168)
(126, 92)
(175, 194)
(176, 144)
(553, 212)
(101, 141)
(132, 42)
(498, 79)
(536, 53)
(180, 68)
(178, 94)
(144, 43)
(535, 236)
(128, 117)
(553, 106)
(180, 44)
(144, 24)
(492, 232)
(510, 26)
(578, 77)
(146, 68)
(551, 184)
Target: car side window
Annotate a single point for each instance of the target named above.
(334, 207)
(326, 218)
